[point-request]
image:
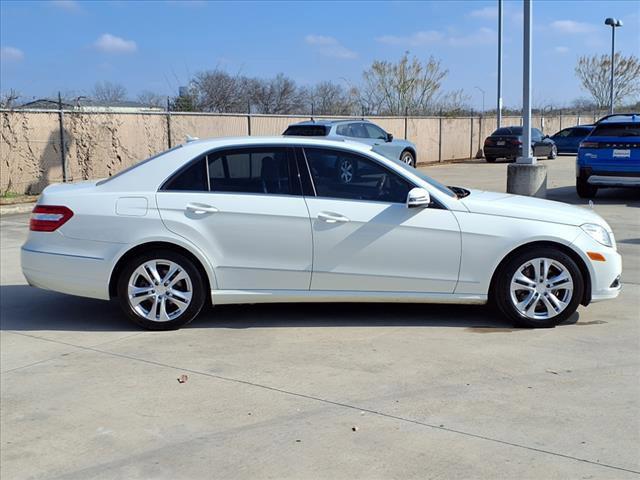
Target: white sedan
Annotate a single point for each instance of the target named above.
(251, 220)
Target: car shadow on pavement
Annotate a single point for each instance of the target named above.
(24, 308)
(608, 196)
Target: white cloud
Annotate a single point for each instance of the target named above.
(68, 5)
(111, 44)
(417, 39)
(490, 13)
(572, 27)
(11, 54)
(561, 50)
(483, 36)
(329, 46)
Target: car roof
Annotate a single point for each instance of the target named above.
(329, 122)
(620, 118)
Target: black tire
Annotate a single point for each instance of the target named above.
(501, 295)
(197, 284)
(408, 158)
(585, 189)
(554, 153)
(490, 159)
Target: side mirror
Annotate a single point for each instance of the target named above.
(545, 137)
(418, 197)
(389, 137)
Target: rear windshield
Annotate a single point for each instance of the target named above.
(122, 172)
(307, 130)
(508, 131)
(617, 130)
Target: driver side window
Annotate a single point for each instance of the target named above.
(340, 174)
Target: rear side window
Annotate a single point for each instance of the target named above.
(266, 170)
(617, 130)
(307, 131)
(256, 170)
(191, 179)
(579, 132)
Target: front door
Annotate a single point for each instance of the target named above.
(366, 239)
(243, 208)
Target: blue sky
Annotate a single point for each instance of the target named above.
(158, 45)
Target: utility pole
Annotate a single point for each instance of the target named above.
(499, 96)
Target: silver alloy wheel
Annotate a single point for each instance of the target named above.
(541, 288)
(159, 290)
(407, 158)
(346, 171)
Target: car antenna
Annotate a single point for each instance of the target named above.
(189, 138)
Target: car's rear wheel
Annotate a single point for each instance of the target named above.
(585, 189)
(539, 288)
(161, 290)
(490, 159)
(554, 153)
(407, 157)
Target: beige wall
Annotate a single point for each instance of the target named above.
(101, 144)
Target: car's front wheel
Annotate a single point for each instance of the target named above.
(539, 288)
(553, 154)
(407, 157)
(585, 189)
(161, 290)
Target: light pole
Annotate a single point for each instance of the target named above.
(613, 23)
(499, 96)
(482, 91)
(526, 176)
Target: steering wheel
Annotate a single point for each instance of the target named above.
(382, 183)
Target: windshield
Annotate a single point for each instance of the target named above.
(617, 130)
(444, 189)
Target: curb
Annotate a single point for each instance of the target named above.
(16, 208)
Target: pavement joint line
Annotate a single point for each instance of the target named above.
(339, 404)
(113, 340)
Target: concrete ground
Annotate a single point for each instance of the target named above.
(324, 391)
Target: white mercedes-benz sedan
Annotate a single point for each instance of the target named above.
(250, 220)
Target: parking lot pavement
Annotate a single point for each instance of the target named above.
(324, 391)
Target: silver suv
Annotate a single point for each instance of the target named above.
(361, 131)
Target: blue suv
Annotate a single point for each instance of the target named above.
(610, 155)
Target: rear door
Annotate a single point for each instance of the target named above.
(243, 207)
(562, 139)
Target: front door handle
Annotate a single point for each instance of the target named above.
(330, 217)
(200, 208)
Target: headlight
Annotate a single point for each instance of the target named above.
(598, 233)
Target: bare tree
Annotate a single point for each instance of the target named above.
(109, 92)
(278, 95)
(330, 98)
(218, 91)
(151, 99)
(594, 74)
(409, 85)
(8, 99)
(455, 102)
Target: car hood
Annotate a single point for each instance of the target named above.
(530, 208)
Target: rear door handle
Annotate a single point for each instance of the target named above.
(200, 208)
(330, 217)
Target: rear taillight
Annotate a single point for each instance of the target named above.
(589, 145)
(488, 141)
(516, 142)
(47, 218)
